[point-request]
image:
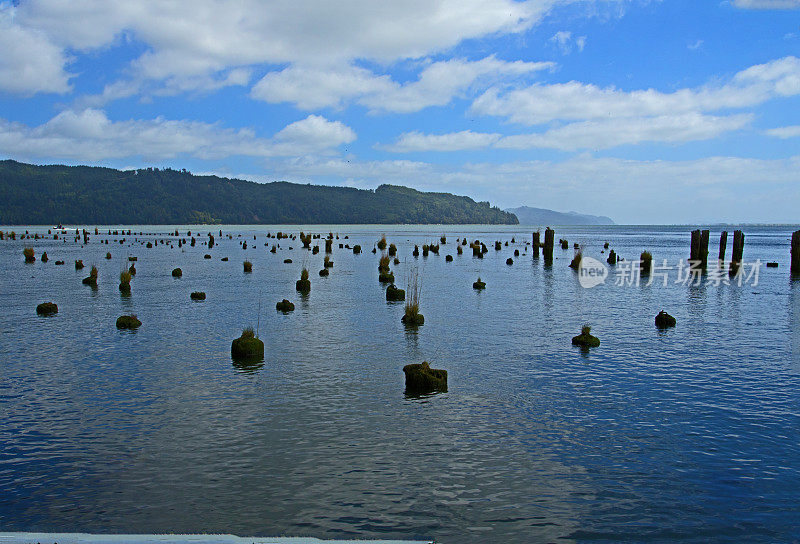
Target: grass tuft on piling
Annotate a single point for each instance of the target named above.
(585, 338)
(247, 346)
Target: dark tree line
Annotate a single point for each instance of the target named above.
(48, 195)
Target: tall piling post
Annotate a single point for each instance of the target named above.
(703, 249)
(536, 245)
(795, 268)
(723, 244)
(736, 252)
(698, 253)
(547, 252)
(694, 248)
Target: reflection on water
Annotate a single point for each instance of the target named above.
(685, 434)
(247, 366)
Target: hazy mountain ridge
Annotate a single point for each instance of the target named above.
(44, 195)
(542, 216)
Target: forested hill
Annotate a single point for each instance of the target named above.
(48, 195)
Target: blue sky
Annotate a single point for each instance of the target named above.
(648, 111)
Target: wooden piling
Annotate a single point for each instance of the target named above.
(698, 253)
(723, 244)
(536, 245)
(547, 252)
(736, 252)
(704, 249)
(795, 268)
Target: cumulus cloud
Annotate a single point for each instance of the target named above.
(438, 83)
(574, 100)
(454, 141)
(191, 39)
(29, 62)
(592, 135)
(89, 135)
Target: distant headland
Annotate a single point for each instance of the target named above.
(53, 194)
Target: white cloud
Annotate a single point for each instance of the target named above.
(29, 63)
(197, 38)
(593, 135)
(541, 103)
(89, 135)
(638, 192)
(767, 4)
(695, 45)
(784, 132)
(454, 141)
(438, 83)
(608, 133)
(314, 88)
(564, 41)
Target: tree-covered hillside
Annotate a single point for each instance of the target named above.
(45, 195)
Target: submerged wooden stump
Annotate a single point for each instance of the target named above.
(394, 294)
(421, 378)
(585, 339)
(128, 322)
(247, 346)
(664, 320)
(47, 308)
(284, 306)
(795, 253)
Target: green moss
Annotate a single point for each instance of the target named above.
(47, 308)
(394, 294)
(28, 253)
(128, 322)
(248, 266)
(108, 256)
(324, 272)
(382, 243)
(585, 339)
(247, 346)
(392, 250)
(413, 319)
(479, 284)
(92, 279)
(198, 295)
(664, 320)
(303, 285)
(421, 378)
(386, 277)
(284, 306)
(177, 272)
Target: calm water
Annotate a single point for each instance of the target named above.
(687, 435)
